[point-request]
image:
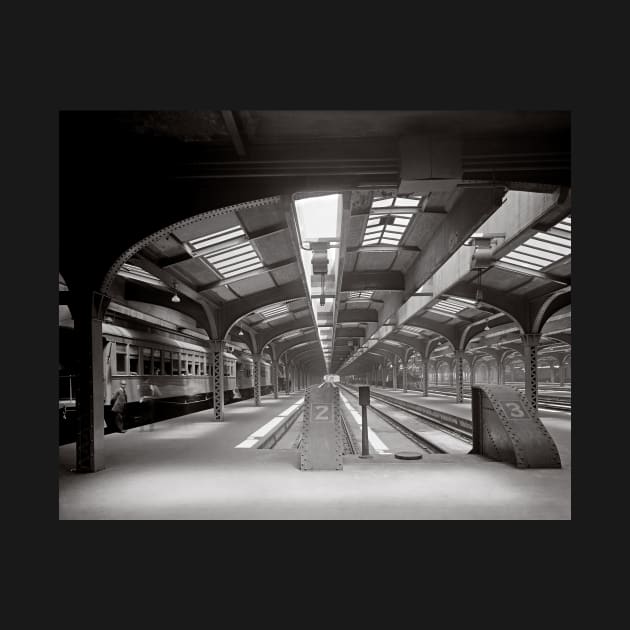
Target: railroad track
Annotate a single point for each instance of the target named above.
(462, 433)
(350, 446)
(422, 442)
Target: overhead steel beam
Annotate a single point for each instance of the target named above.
(357, 315)
(373, 281)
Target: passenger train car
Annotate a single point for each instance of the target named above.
(174, 370)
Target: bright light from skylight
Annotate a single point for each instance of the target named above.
(228, 252)
(386, 229)
(448, 307)
(138, 273)
(276, 309)
(319, 218)
(360, 295)
(542, 249)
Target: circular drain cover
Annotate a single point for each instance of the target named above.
(408, 455)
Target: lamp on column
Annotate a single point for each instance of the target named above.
(175, 297)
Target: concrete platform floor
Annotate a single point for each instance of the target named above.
(188, 468)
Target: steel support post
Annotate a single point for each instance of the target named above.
(274, 370)
(425, 378)
(90, 444)
(404, 375)
(450, 373)
(459, 376)
(530, 354)
(256, 358)
(395, 373)
(217, 348)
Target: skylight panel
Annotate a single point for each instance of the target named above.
(538, 253)
(448, 307)
(138, 273)
(543, 249)
(217, 237)
(403, 202)
(383, 203)
(273, 310)
(387, 229)
(234, 260)
(519, 263)
(360, 295)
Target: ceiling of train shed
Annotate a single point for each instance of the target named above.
(388, 241)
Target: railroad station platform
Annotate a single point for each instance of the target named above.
(190, 468)
(558, 423)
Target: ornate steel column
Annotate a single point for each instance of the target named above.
(404, 375)
(395, 373)
(287, 376)
(217, 348)
(256, 357)
(530, 352)
(459, 376)
(472, 371)
(274, 377)
(425, 377)
(88, 320)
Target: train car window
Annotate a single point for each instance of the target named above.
(133, 359)
(121, 358)
(146, 361)
(208, 372)
(157, 362)
(175, 368)
(167, 362)
(190, 365)
(196, 365)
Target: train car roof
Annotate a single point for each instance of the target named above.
(110, 330)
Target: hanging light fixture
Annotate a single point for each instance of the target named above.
(175, 297)
(487, 327)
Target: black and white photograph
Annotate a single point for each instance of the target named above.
(314, 314)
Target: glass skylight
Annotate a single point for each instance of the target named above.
(360, 295)
(542, 249)
(386, 229)
(449, 307)
(412, 201)
(228, 252)
(138, 273)
(274, 311)
(391, 342)
(319, 218)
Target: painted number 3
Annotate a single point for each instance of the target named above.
(514, 410)
(321, 412)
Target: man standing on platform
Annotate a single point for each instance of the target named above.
(119, 403)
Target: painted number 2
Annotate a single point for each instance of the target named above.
(514, 410)
(321, 413)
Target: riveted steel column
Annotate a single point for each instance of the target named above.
(90, 444)
(459, 377)
(256, 357)
(287, 376)
(425, 378)
(274, 376)
(395, 373)
(217, 348)
(472, 372)
(404, 374)
(530, 354)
